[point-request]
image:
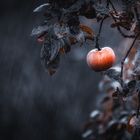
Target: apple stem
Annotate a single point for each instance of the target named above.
(97, 44)
(98, 35)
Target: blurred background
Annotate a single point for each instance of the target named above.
(33, 105)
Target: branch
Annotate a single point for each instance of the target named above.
(112, 5)
(138, 108)
(107, 4)
(137, 14)
(123, 60)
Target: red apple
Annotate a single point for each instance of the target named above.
(100, 60)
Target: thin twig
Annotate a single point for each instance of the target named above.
(112, 5)
(107, 4)
(123, 60)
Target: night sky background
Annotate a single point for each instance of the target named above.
(33, 105)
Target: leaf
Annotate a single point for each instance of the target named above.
(66, 45)
(88, 10)
(53, 65)
(105, 99)
(115, 95)
(123, 114)
(50, 53)
(87, 133)
(114, 73)
(124, 24)
(55, 47)
(61, 30)
(132, 84)
(87, 30)
(41, 38)
(76, 6)
(129, 88)
(112, 126)
(50, 56)
(73, 23)
(80, 37)
(101, 9)
(95, 114)
(72, 40)
(133, 122)
(40, 30)
(123, 19)
(41, 8)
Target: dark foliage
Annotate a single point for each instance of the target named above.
(62, 21)
(118, 114)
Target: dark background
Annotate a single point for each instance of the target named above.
(33, 105)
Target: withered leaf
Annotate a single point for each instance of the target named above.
(124, 24)
(80, 37)
(40, 30)
(61, 30)
(53, 65)
(87, 30)
(76, 6)
(129, 88)
(95, 114)
(132, 84)
(114, 73)
(50, 56)
(73, 23)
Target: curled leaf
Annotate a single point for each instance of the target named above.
(39, 30)
(87, 30)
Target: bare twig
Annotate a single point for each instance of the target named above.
(112, 5)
